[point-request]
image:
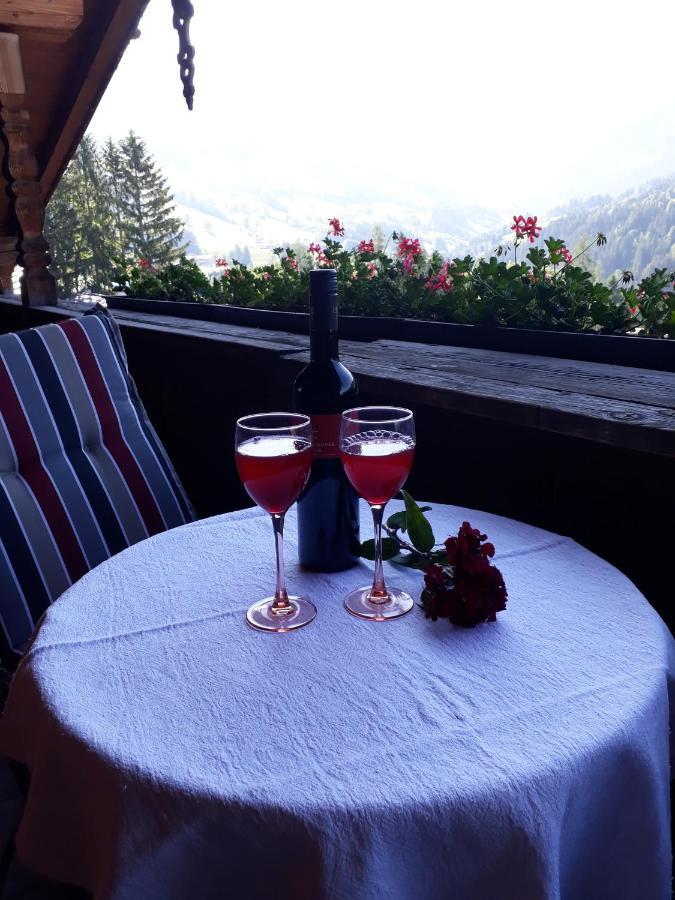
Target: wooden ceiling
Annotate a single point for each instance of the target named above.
(69, 49)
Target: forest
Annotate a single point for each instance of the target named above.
(113, 205)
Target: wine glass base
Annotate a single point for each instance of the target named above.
(262, 616)
(358, 603)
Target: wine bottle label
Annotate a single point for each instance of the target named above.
(326, 436)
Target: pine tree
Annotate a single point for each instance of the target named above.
(64, 234)
(78, 224)
(378, 238)
(242, 255)
(152, 231)
(113, 166)
(111, 203)
(98, 214)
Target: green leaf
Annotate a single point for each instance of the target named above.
(554, 244)
(419, 529)
(410, 561)
(537, 257)
(389, 548)
(397, 521)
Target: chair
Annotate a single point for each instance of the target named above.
(82, 472)
(82, 476)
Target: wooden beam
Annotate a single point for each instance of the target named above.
(115, 25)
(11, 66)
(64, 15)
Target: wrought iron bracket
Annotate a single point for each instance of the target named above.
(183, 10)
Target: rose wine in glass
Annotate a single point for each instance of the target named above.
(377, 447)
(274, 456)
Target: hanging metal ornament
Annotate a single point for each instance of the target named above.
(183, 11)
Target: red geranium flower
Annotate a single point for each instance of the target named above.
(441, 282)
(222, 263)
(143, 263)
(469, 589)
(336, 227)
(526, 227)
(408, 251)
(366, 246)
(409, 247)
(566, 255)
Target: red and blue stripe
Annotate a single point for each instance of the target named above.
(82, 472)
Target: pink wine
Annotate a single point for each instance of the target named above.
(274, 470)
(378, 466)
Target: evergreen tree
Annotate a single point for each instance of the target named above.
(379, 239)
(111, 203)
(78, 224)
(152, 231)
(95, 200)
(113, 165)
(586, 260)
(63, 232)
(242, 255)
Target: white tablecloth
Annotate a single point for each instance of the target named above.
(177, 753)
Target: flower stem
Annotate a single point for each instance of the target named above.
(404, 545)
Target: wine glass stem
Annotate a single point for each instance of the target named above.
(280, 595)
(378, 593)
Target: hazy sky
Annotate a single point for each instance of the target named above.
(508, 105)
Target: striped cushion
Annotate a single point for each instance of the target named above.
(82, 472)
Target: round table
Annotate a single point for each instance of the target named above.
(175, 752)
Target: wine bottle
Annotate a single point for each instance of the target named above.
(328, 512)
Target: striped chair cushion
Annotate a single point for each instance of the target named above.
(82, 472)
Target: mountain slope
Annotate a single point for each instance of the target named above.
(639, 226)
(264, 220)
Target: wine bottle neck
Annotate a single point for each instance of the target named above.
(323, 326)
(323, 346)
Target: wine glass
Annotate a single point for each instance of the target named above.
(274, 457)
(377, 447)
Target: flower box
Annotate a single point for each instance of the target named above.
(640, 352)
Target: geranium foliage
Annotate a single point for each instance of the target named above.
(546, 288)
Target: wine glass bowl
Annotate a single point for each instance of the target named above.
(377, 448)
(377, 463)
(274, 470)
(273, 452)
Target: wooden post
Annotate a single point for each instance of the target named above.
(8, 255)
(38, 287)
(9, 238)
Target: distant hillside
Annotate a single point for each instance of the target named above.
(639, 226)
(257, 222)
